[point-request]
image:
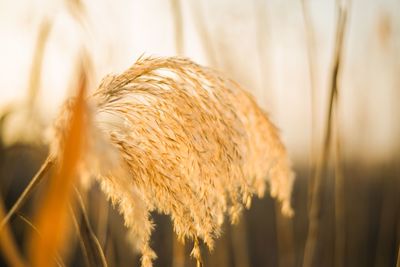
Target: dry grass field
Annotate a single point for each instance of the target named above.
(173, 160)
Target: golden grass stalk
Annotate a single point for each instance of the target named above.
(314, 213)
(44, 169)
(171, 136)
(90, 244)
(52, 219)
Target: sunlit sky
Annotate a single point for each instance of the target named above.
(261, 44)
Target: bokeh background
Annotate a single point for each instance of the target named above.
(283, 52)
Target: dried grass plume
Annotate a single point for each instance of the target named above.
(171, 136)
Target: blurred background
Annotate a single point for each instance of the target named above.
(341, 129)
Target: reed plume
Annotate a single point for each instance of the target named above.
(171, 136)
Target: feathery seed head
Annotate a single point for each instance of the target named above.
(172, 136)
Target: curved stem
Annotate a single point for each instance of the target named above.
(46, 167)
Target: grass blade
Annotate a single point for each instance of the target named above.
(46, 167)
(53, 220)
(90, 243)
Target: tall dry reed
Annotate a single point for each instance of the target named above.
(171, 136)
(311, 245)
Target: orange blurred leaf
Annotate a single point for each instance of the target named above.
(53, 220)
